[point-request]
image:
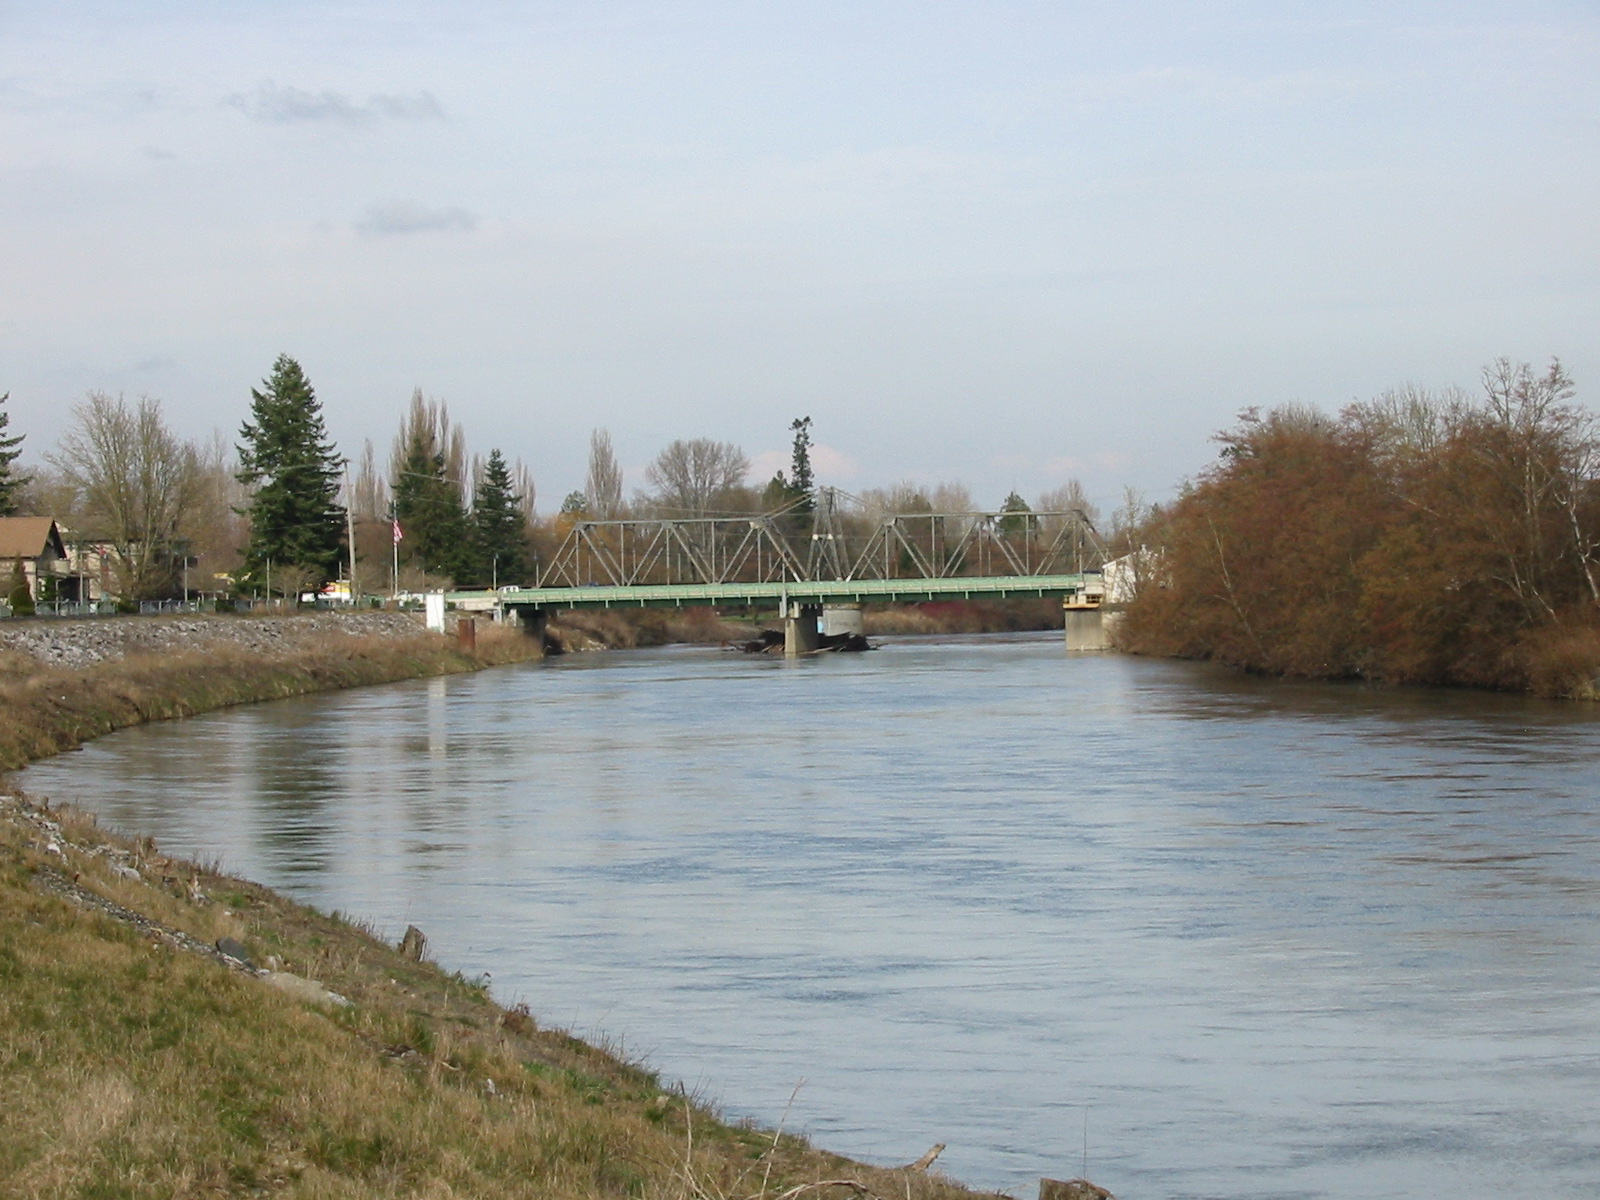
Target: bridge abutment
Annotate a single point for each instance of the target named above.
(1085, 628)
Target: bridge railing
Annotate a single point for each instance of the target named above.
(829, 543)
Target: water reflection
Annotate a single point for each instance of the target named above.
(1280, 939)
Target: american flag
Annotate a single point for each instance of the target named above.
(397, 534)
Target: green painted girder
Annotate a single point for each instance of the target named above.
(826, 591)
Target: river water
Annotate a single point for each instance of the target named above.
(1232, 938)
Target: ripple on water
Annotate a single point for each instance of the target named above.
(1271, 940)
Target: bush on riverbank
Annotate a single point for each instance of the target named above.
(137, 1063)
(1415, 539)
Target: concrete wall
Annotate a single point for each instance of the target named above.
(1085, 628)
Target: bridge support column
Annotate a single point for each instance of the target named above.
(1085, 629)
(800, 629)
(841, 619)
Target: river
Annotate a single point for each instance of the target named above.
(1216, 937)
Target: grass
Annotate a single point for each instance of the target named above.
(49, 710)
(133, 1064)
(626, 628)
(964, 616)
(622, 629)
(135, 1069)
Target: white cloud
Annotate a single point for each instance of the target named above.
(401, 216)
(288, 105)
(419, 106)
(833, 465)
(827, 464)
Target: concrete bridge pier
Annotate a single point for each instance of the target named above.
(840, 619)
(800, 628)
(1085, 628)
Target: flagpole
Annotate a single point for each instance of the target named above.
(394, 577)
(350, 531)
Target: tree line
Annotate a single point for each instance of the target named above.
(1422, 537)
(280, 511)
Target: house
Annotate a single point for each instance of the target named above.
(36, 543)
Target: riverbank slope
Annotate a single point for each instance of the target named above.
(169, 1031)
(63, 683)
(173, 1032)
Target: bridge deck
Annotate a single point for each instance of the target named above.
(825, 591)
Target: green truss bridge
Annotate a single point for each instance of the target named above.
(824, 564)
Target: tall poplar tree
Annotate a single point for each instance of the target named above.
(428, 506)
(499, 528)
(9, 452)
(292, 469)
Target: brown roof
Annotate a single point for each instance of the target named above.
(27, 537)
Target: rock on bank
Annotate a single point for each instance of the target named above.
(85, 642)
(65, 682)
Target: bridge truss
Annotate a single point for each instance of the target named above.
(841, 539)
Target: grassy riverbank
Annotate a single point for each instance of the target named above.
(138, 1062)
(50, 708)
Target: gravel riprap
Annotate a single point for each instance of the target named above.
(85, 641)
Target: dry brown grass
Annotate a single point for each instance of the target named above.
(623, 629)
(964, 616)
(131, 1069)
(49, 710)
(1561, 660)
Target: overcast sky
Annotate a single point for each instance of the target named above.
(1003, 242)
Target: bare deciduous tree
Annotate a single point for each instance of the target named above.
(136, 481)
(369, 500)
(905, 496)
(1070, 497)
(427, 426)
(691, 478)
(522, 481)
(214, 524)
(908, 496)
(603, 487)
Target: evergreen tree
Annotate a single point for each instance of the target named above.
(292, 470)
(20, 597)
(1018, 524)
(9, 452)
(499, 529)
(797, 491)
(427, 503)
(801, 484)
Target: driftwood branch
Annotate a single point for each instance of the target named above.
(926, 1161)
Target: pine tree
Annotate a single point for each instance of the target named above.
(796, 493)
(292, 469)
(1014, 503)
(801, 484)
(427, 503)
(10, 483)
(20, 596)
(499, 529)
